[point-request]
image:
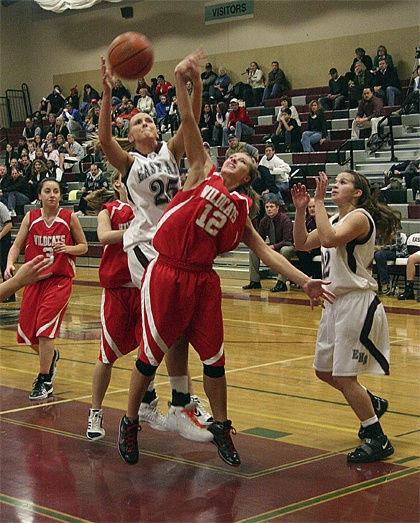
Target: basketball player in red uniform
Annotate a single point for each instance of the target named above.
(206, 218)
(120, 305)
(55, 233)
(150, 173)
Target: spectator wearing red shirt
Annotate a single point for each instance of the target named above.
(239, 122)
(162, 87)
(129, 112)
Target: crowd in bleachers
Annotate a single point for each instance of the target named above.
(53, 138)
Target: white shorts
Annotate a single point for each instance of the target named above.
(353, 336)
(138, 259)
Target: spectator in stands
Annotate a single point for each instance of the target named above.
(362, 78)
(221, 119)
(174, 116)
(60, 128)
(72, 118)
(130, 111)
(5, 242)
(115, 108)
(14, 164)
(74, 152)
(306, 258)
(162, 87)
(48, 139)
(221, 86)
(208, 77)
(95, 180)
(39, 154)
(239, 122)
(286, 103)
(255, 80)
(142, 84)
(22, 145)
(73, 97)
(39, 172)
(385, 253)
(16, 193)
(31, 151)
(92, 119)
(410, 274)
(50, 127)
(26, 166)
(206, 146)
(381, 54)
(162, 113)
(287, 131)
(362, 57)
(54, 171)
(368, 114)
(31, 130)
(120, 130)
(278, 168)
(4, 178)
(55, 101)
(39, 142)
(387, 84)
(411, 104)
(338, 87)
(276, 82)
(407, 170)
(277, 227)
(10, 153)
(206, 122)
(235, 146)
(265, 186)
(317, 127)
(89, 93)
(145, 103)
(119, 90)
(52, 154)
(122, 107)
(60, 141)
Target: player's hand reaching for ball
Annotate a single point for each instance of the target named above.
(108, 80)
(192, 65)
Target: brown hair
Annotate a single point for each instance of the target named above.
(386, 220)
(97, 199)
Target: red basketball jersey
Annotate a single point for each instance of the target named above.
(113, 271)
(42, 238)
(203, 222)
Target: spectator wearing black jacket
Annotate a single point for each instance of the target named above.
(337, 96)
(387, 84)
(16, 193)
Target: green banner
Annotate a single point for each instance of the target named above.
(215, 13)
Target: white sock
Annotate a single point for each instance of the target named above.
(179, 383)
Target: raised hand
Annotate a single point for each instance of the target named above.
(321, 186)
(300, 196)
(192, 64)
(108, 80)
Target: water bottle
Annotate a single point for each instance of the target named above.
(418, 197)
(403, 183)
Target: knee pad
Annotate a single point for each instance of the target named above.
(145, 368)
(213, 372)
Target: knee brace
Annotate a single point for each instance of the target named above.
(145, 368)
(213, 372)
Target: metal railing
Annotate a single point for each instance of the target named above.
(4, 138)
(389, 135)
(341, 153)
(5, 120)
(19, 105)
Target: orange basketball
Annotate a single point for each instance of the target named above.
(130, 55)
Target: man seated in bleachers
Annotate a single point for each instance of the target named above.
(277, 227)
(74, 153)
(387, 84)
(95, 180)
(337, 96)
(276, 83)
(31, 130)
(278, 168)
(369, 113)
(287, 132)
(219, 89)
(72, 118)
(235, 146)
(239, 122)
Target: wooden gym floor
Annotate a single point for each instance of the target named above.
(293, 432)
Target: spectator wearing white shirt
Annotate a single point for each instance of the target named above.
(277, 167)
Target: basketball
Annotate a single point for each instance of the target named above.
(130, 55)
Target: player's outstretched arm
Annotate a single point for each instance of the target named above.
(29, 273)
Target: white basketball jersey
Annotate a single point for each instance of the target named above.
(348, 266)
(151, 183)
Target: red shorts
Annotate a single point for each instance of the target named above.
(120, 313)
(179, 301)
(43, 306)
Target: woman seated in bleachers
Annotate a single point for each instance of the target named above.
(317, 127)
(206, 122)
(221, 119)
(39, 172)
(255, 80)
(10, 153)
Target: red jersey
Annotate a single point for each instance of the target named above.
(203, 222)
(42, 238)
(113, 271)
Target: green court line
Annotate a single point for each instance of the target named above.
(323, 498)
(32, 508)
(404, 460)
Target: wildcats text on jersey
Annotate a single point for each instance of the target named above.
(221, 201)
(48, 241)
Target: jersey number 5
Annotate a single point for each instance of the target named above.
(211, 224)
